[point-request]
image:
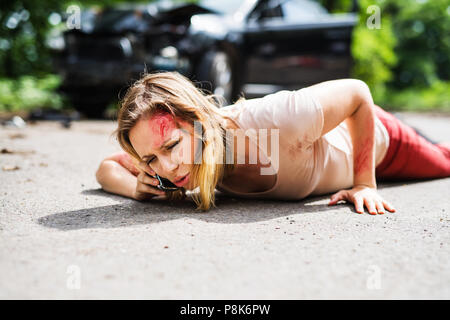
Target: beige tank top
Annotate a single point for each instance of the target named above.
(307, 163)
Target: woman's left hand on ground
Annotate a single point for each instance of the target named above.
(362, 196)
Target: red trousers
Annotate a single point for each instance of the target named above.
(410, 156)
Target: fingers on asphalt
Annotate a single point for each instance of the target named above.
(388, 206)
(374, 207)
(370, 206)
(359, 206)
(380, 207)
(335, 198)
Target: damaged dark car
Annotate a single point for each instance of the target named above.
(226, 47)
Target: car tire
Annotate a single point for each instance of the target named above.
(216, 68)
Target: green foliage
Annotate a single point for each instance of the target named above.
(373, 53)
(406, 62)
(336, 6)
(29, 92)
(23, 25)
(423, 32)
(373, 50)
(434, 97)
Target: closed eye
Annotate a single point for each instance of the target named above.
(168, 148)
(173, 145)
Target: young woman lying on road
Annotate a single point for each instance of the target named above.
(326, 138)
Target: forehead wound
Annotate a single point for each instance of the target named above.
(160, 125)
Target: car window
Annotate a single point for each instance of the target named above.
(267, 10)
(227, 6)
(303, 11)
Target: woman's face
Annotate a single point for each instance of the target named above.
(167, 149)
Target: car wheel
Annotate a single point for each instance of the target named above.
(216, 68)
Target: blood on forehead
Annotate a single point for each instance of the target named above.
(161, 126)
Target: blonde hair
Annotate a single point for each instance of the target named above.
(173, 93)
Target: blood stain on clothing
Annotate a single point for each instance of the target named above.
(295, 148)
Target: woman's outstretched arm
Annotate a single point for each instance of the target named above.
(350, 100)
(117, 174)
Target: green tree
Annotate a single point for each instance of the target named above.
(422, 29)
(373, 49)
(23, 27)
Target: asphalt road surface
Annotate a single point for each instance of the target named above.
(62, 237)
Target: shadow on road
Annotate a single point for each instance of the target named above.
(229, 210)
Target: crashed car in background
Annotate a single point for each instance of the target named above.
(225, 46)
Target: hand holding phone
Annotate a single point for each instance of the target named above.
(165, 184)
(150, 184)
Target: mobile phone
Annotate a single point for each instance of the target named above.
(165, 184)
